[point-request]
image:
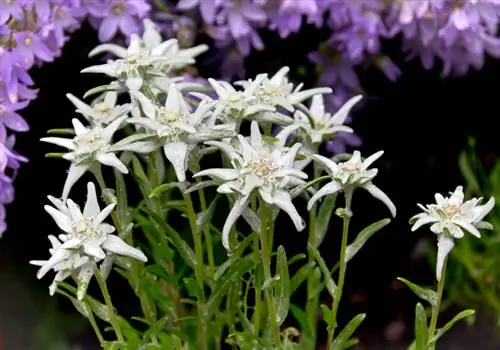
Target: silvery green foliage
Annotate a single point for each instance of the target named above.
(169, 123)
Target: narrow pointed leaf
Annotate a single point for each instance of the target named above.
(364, 236)
(282, 289)
(423, 293)
(301, 275)
(331, 287)
(344, 336)
(421, 332)
(323, 219)
(461, 315)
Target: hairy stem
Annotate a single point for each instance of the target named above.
(266, 260)
(342, 267)
(113, 319)
(437, 307)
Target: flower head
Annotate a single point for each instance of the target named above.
(86, 240)
(449, 217)
(351, 174)
(178, 129)
(103, 111)
(261, 167)
(92, 146)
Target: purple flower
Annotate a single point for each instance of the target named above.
(119, 15)
(10, 118)
(239, 15)
(8, 157)
(208, 8)
(287, 18)
(30, 46)
(10, 8)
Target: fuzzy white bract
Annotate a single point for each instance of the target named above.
(86, 240)
(103, 111)
(91, 146)
(261, 167)
(178, 129)
(449, 217)
(346, 176)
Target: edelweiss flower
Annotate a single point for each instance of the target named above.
(177, 128)
(102, 112)
(258, 166)
(86, 240)
(350, 175)
(449, 217)
(319, 125)
(136, 63)
(277, 91)
(233, 105)
(91, 146)
(70, 262)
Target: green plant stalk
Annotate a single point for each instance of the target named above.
(200, 275)
(342, 267)
(211, 263)
(257, 315)
(312, 303)
(266, 260)
(437, 307)
(96, 329)
(113, 319)
(144, 301)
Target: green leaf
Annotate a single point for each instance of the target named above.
(468, 173)
(54, 155)
(300, 316)
(461, 315)
(301, 275)
(344, 336)
(202, 184)
(182, 247)
(233, 275)
(98, 89)
(235, 256)
(363, 236)
(296, 258)
(323, 218)
(61, 132)
(327, 315)
(121, 196)
(423, 293)
(282, 289)
(205, 217)
(329, 283)
(159, 190)
(421, 332)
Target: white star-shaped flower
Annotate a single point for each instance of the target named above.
(317, 125)
(91, 146)
(262, 167)
(87, 239)
(449, 217)
(349, 175)
(277, 91)
(177, 128)
(102, 111)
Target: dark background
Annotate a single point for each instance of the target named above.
(422, 121)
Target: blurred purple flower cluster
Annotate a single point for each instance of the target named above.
(458, 32)
(33, 32)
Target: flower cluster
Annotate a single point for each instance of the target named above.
(33, 32)
(450, 217)
(168, 120)
(170, 113)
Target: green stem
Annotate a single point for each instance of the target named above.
(266, 260)
(312, 303)
(211, 263)
(437, 307)
(200, 276)
(113, 319)
(96, 329)
(343, 267)
(258, 301)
